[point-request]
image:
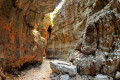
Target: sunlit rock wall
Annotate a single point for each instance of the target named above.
(19, 44)
(91, 27)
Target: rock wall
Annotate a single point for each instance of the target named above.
(44, 29)
(87, 33)
(20, 42)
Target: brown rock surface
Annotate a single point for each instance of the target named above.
(19, 41)
(43, 29)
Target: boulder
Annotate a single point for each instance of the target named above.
(101, 77)
(64, 77)
(117, 76)
(63, 67)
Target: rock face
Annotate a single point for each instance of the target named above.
(44, 29)
(91, 28)
(63, 67)
(82, 25)
(117, 76)
(19, 41)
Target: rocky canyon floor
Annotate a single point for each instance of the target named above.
(40, 72)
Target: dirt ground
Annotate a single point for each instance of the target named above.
(41, 72)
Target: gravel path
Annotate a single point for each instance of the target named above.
(42, 72)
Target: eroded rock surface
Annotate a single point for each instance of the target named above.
(20, 42)
(91, 28)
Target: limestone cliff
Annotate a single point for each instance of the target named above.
(20, 43)
(87, 33)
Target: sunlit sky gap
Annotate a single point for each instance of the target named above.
(53, 14)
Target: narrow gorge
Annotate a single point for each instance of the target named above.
(59, 39)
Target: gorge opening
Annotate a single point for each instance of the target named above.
(59, 39)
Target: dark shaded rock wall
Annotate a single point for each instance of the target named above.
(19, 43)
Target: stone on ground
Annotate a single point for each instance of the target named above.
(64, 77)
(63, 67)
(101, 77)
(117, 76)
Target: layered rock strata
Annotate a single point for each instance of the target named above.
(20, 42)
(91, 28)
